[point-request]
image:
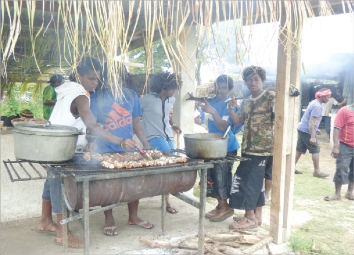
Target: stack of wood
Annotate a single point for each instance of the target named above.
(129, 160)
(214, 243)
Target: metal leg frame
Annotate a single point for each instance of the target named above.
(64, 212)
(163, 214)
(200, 205)
(85, 199)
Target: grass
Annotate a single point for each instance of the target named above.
(329, 226)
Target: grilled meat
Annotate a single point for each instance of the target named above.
(129, 160)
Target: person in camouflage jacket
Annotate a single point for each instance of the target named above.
(257, 114)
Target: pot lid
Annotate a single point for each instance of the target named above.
(46, 128)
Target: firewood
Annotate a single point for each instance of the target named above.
(225, 249)
(231, 244)
(258, 245)
(224, 237)
(184, 252)
(249, 239)
(211, 250)
(156, 243)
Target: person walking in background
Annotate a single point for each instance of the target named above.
(340, 99)
(220, 177)
(257, 112)
(326, 110)
(343, 152)
(307, 130)
(157, 118)
(50, 96)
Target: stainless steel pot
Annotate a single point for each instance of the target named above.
(205, 146)
(45, 143)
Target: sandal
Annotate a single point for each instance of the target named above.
(48, 229)
(171, 209)
(212, 213)
(320, 175)
(73, 241)
(332, 198)
(220, 216)
(144, 224)
(238, 218)
(110, 231)
(244, 224)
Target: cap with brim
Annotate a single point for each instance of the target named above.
(55, 78)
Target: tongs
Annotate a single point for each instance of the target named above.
(144, 154)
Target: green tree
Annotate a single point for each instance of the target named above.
(159, 59)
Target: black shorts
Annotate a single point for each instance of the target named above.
(247, 191)
(303, 143)
(220, 179)
(344, 165)
(269, 167)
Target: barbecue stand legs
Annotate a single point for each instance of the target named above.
(200, 205)
(163, 214)
(64, 214)
(203, 185)
(85, 199)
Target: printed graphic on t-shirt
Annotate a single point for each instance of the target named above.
(118, 117)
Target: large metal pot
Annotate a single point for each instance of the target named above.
(45, 143)
(205, 146)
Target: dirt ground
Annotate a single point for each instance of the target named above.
(18, 237)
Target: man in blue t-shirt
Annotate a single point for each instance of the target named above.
(220, 177)
(120, 117)
(307, 130)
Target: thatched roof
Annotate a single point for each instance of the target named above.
(47, 36)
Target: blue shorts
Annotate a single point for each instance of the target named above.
(52, 190)
(161, 144)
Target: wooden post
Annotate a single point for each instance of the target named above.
(295, 79)
(280, 129)
(183, 111)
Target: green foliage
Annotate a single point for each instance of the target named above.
(159, 59)
(10, 107)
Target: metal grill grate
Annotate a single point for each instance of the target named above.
(24, 170)
(19, 170)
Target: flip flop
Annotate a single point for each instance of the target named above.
(47, 229)
(331, 198)
(244, 224)
(171, 209)
(219, 218)
(141, 224)
(113, 230)
(238, 218)
(320, 175)
(350, 197)
(211, 213)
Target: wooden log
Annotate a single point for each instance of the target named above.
(225, 249)
(249, 239)
(156, 243)
(224, 237)
(211, 250)
(258, 245)
(231, 244)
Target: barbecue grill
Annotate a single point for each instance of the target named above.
(85, 185)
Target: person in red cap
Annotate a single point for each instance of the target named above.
(50, 96)
(307, 130)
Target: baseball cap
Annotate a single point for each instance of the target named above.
(55, 78)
